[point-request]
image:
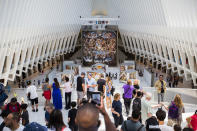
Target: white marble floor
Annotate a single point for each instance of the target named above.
(190, 104)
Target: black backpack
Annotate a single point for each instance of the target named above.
(137, 104)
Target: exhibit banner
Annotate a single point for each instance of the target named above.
(99, 47)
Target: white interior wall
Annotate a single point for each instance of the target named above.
(151, 28)
(37, 30)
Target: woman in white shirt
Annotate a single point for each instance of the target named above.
(67, 89)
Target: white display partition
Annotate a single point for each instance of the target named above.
(67, 65)
(131, 74)
(147, 77)
(127, 69)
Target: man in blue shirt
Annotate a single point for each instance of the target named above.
(91, 85)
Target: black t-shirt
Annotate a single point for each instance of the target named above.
(152, 124)
(117, 105)
(80, 81)
(136, 87)
(162, 89)
(25, 116)
(101, 83)
(136, 104)
(72, 115)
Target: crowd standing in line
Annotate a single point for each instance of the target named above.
(83, 115)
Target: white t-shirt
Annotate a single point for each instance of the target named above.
(32, 90)
(67, 87)
(21, 127)
(165, 128)
(145, 109)
(6, 129)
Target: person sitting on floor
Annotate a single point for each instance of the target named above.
(13, 106)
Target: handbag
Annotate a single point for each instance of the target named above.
(112, 90)
(3, 97)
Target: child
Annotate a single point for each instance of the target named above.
(71, 117)
(49, 110)
(25, 115)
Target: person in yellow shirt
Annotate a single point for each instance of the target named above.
(160, 86)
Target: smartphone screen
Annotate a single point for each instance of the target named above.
(96, 97)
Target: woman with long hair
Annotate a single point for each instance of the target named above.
(56, 122)
(67, 89)
(108, 92)
(175, 110)
(57, 98)
(46, 91)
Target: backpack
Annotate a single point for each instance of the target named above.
(136, 104)
(173, 111)
(34, 126)
(112, 90)
(126, 129)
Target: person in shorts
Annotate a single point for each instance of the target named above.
(31, 92)
(80, 87)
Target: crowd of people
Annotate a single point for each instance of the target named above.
(99, 47)
(83, 114)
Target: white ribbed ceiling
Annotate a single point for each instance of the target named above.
(34, 31)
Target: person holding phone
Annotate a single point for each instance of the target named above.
(87, 118)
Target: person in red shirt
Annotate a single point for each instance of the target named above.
(192, 121)
(13, 106)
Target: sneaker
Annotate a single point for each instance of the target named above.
(33, 110)
(36, 110)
